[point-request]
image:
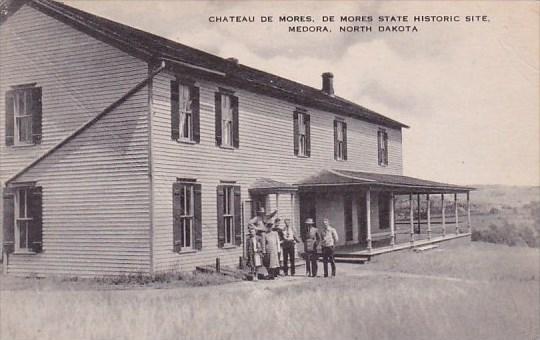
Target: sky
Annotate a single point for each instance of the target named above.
(468, 90)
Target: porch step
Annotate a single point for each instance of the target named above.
(424, 248)
(351, 258)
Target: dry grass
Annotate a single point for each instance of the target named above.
(496, 298)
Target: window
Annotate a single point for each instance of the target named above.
(23, 115)
(340, 140)
(302, 142)
(184, 112)
(187, 232)
(228, 216)
(227, 124)
(23, 219)
(382, 142)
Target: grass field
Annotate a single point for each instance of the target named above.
(476, 291)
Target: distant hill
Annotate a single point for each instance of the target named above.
(499, 195)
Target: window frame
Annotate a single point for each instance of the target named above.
(26, 219)
(382, 146)
(302, 137)
(340, 147)
(26, 94)
(188, 114)
(227, 125)
(228, 215)
(187, 234)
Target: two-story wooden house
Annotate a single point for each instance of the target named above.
(124, 152)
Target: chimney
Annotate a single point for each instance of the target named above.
(328, 83)
(233, 60)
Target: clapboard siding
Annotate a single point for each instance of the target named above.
(79, 76)
(266, 150)
(96, 187)
(96, 224)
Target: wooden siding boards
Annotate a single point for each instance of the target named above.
(103, 172)
(266, 150)
(95, 221)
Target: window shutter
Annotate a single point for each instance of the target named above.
(195, 109)
(335, 139)
(385, 148)
(344, 140)
(10, 108)
(220, 222)
(36, 114)
(308, 135)
(379, 158)
(35, 210)
(175, 110)
(218, 117)
(177, 233)
(237, 215)
(9, 223)
(295, 133)
(236, 122)
(197, 216)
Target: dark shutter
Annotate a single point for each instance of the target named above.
(195, 109)
(336, 139)
(344, 140)
(9, 223)
(35, 211)
(218, 117)
(237, 215)
(177, 232)
(236, 122)
(175, 111)
(197, 216)
(295, 133)
(308, 134)
(36, 110)
(10, 108)
(379, 156)
(220, 222)
(385, 147)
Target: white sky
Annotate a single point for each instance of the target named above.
(469, 91)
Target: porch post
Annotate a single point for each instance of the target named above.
(292, 211)
(368, 218)
(392, 222)
(456, 211)
(428, 218)
(443, 209)
(277, 203)
(411, 215)
(468, 213)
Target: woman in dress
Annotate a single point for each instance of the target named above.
(272, 250)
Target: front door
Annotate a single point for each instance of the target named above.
(307, 210)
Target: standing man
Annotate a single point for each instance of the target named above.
(329, 238)
(311, 238)
(288, 245)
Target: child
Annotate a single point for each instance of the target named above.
(254, 250)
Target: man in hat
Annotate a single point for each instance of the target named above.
(328, 237)
(310, 247)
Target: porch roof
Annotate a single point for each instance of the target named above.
(270, 186)
(383, 182)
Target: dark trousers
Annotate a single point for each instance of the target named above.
(311, 263)
(328, 256)
(288, 254)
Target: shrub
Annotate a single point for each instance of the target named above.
(507, 234)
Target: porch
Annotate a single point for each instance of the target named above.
(392, 212)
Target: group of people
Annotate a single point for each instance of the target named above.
(270, 243)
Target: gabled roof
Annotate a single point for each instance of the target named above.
(329, 178)
(151, 47)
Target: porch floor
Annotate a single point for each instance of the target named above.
(361, 250)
